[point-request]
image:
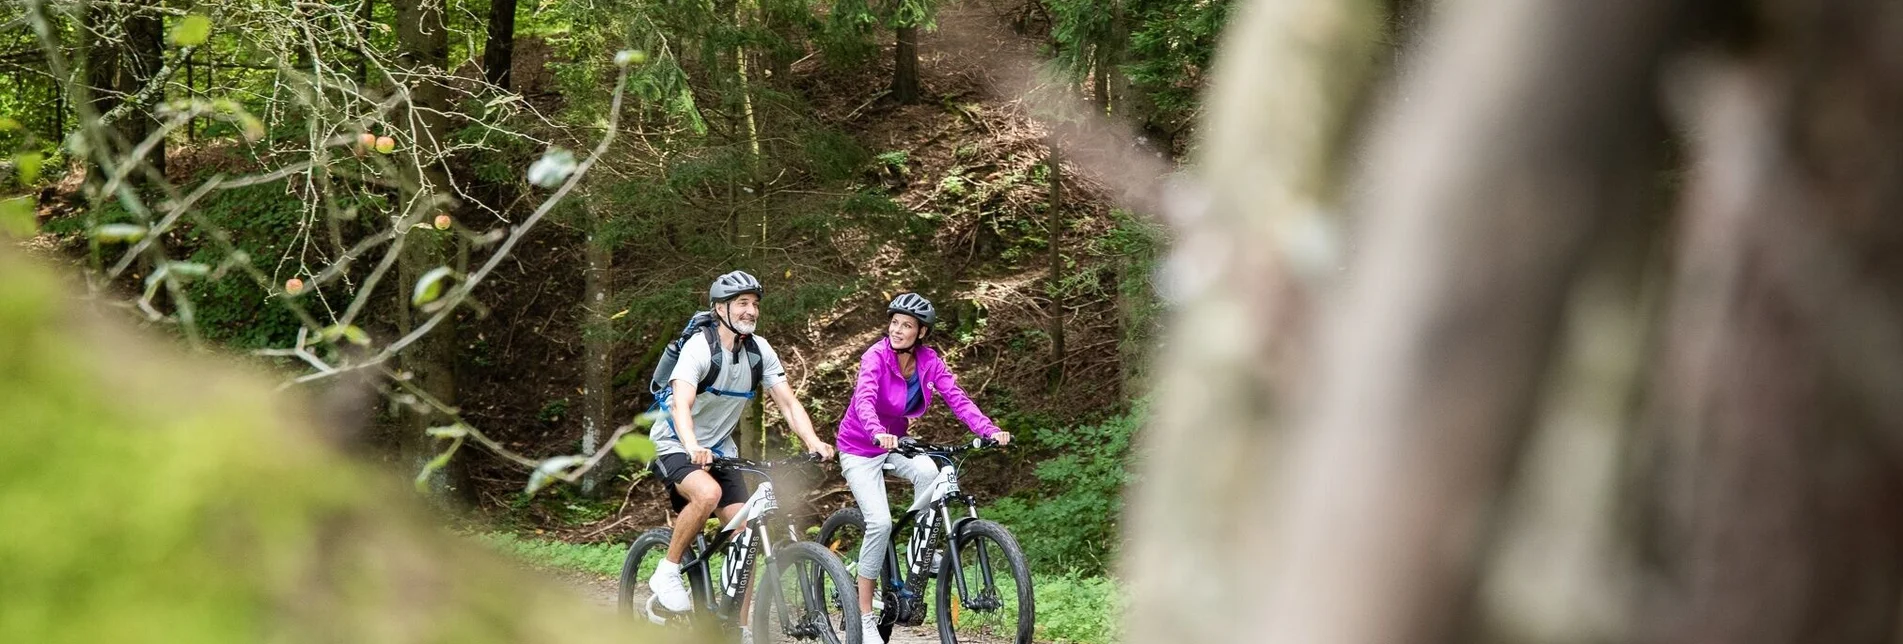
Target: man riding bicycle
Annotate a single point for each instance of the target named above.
(703, 402)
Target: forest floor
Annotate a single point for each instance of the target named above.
(601, 592)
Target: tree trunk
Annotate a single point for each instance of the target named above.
(101, 72)
(597, 360)
(1779, 398)
(1100, 78)
(742, 64)
(1385, 438)
(498, 55)
(423, 50)
(364, 15)
(905, 66)
(1118, 88)
(59, 114)
(144, 57)
(1054, 226)
(780, 61)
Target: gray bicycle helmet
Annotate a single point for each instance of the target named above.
(732, 285)
(914, 305)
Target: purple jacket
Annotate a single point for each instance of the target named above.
(878, 400)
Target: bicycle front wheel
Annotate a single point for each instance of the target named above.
(986, 598)
(648, 550)
(804, 594)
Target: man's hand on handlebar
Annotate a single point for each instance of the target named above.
(820, 449)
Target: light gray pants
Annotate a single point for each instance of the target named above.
(866, 478)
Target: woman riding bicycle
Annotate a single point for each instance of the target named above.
(897, 377)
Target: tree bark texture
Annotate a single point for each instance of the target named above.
(905, 88)
(597, 360)
(143, 57)
(498, 55)
(423, 45)
(1054, 227)
(1344, 474)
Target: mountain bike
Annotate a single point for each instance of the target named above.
(983, 591)
(799, 600)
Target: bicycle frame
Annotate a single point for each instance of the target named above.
(742, 547)
(935, 503)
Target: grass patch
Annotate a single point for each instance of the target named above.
(1079, 609)
(592, 558)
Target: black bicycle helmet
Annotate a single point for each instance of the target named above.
(732, 285)
(914, 305)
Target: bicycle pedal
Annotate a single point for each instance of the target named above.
(657, 614)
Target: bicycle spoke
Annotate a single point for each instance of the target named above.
(989, 591)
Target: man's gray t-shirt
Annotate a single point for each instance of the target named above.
(715, 415)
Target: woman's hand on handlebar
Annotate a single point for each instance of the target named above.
(1002, 437)
(886, 441)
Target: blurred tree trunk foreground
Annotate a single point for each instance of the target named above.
(1683, 402)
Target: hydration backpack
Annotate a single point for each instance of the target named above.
(705, 325)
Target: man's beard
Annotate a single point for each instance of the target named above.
(745, 327)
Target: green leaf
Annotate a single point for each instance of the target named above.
(8, 124)
(253, 128)
(635, 447)
(448, 431)
(190, 31)
(430, 286)
(441, 460)
(545, 473)
(349, 332)
(189, 269)
(29, 164)
(119, 233)
(17, 218)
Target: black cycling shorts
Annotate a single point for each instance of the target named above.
(672, 468)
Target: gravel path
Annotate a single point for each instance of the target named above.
(601, 592)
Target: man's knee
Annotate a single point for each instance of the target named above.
(700, 490)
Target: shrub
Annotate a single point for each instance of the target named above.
(1069, 520)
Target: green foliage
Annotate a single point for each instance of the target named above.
(1171, 46)
(895, 158)
(1069, 520)
(1082, 28)
(832, 155)
(594, 558)
(155, 496)
(1165, 52)
(1079, 609)
(847, 37)
(231, 308)
(553, 410)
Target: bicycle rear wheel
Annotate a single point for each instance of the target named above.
(995, 605)
(804, 594)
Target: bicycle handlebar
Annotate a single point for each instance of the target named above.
(909, 446)
(723, 462)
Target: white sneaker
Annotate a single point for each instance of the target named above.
(667, 586)
(869, 624)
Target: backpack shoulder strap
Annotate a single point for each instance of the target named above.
(758, 360)
(716, 358)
